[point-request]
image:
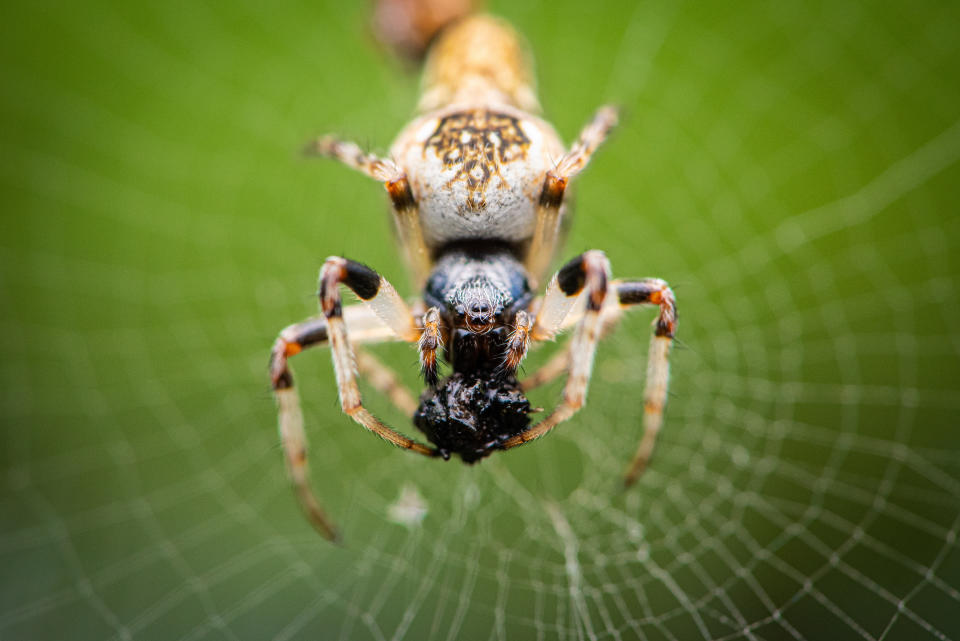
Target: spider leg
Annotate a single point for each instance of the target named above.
(554, 187)
(651, 291)
(555, 314)
(385, 380)
(556, 365)
(365, 327)
(587, 274)
(548, 372)
(383, 316)
(620, 300)
(405, 211)
(372, 288)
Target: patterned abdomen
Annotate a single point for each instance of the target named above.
(477, 173)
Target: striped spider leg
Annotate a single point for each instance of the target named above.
(546, 236)
(383, 316)
(587, 276)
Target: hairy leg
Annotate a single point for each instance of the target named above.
(558, 311)
(385, 381)
(405, 211)
(651, 291)
(589, 274)
(384, 316)
(547, 231)
(369, 286)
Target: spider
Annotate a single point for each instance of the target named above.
(478, 187)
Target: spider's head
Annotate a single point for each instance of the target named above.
(477, 287)
(478, 302)
(478, 290)
(472, 414)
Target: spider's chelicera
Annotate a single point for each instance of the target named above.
(478, 187)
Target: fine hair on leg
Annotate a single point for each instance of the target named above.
(549, 209)
(589, 274)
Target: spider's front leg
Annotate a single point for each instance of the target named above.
(376, 292)
(365, 327)
(557, 312)
(384, 316)
(587, 274)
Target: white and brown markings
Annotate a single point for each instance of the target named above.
(475, 144)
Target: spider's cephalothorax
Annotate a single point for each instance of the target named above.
(478, 288)
(478, 185)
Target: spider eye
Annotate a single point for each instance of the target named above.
(480, 313)
(480, 309)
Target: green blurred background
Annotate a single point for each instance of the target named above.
(791, 168)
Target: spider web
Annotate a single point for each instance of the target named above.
(791, 169)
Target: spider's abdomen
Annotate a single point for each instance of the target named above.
(471, 415)
(477, 173)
